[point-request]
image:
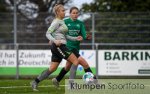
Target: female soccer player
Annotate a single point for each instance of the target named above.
(56, 35)
(76, 29)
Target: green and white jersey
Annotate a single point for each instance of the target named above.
(57, 31)
(75, 28)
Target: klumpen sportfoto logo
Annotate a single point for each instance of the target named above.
(105, 87)
(110, 86)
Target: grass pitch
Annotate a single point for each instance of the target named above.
(112, 86)
(23, 87)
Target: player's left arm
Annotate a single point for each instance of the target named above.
(83, 31)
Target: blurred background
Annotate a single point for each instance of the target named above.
(115, 25)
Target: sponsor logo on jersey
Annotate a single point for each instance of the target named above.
(78, 25)
(69, 25)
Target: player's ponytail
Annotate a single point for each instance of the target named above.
(57, 7)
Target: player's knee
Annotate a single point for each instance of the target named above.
(86, 65)
(52, 69)
(76, 63)
(67, 68)
(83, 62)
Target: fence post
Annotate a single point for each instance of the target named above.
(15, 39)
(93, 31)
(96, 46)
(15, 22)
(17, 60)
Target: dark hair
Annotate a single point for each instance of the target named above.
(73, 9)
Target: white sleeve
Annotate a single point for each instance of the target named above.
(50, 37)
(53, 27)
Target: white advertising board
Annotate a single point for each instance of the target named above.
(7, 58)
(37, 58)
(124, 62)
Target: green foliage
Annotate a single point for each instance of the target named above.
(121, 21)
(117, 6)
(2, 6)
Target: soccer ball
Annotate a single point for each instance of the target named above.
(88, 77)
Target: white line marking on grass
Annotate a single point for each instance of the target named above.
(30, 86)
(40, 86)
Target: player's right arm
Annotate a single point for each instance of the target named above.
(49, 34)
(50, 30)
